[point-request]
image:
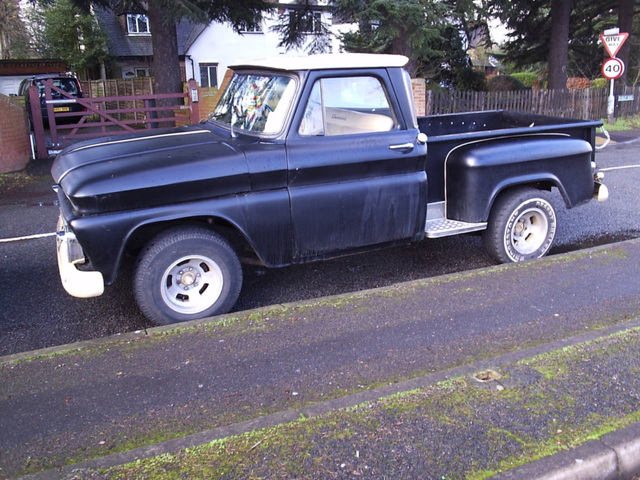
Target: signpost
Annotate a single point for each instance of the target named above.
(612, 67)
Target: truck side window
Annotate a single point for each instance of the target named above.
(347, 105)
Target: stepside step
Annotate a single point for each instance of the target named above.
(439, 226)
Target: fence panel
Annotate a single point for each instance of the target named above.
(583, 104)
(120, 87)
(628, 101)
(123, 87)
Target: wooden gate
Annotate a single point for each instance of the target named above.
(102, 116)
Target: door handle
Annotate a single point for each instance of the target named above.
(403, 146)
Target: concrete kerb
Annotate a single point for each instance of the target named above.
(614, 456)
(618, 137)
(592, 460)
(626, 444)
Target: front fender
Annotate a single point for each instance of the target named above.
(477, 172)
(262, 218)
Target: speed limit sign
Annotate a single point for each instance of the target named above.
(612, 68)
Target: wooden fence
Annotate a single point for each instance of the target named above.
(123, 87)
(581, 104)
(584, 104)
(118, 87)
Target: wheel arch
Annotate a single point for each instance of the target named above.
(544, 183)
(260, 222)
(233, 233)
(134, 235)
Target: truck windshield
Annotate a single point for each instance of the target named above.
(256, 103)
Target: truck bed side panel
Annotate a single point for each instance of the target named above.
(446, 132)
(477, 172)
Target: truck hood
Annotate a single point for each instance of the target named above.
(149, 169)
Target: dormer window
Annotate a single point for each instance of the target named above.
(137, 24)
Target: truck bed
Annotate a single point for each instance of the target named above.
(445, 132)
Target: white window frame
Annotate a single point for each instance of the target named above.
(212, 73)
(314, 19)
(255, 29)
(134, 19)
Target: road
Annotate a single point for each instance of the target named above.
(37, 313)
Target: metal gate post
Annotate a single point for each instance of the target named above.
(53, 129)
(193, 102)
(37, 123)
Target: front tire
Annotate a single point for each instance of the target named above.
(522, 226)
(186, 274)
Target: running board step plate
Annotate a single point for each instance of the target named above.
(443, 227)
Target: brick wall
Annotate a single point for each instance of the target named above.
(208, 99)
(15, 149)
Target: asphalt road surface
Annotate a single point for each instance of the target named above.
(37, 313)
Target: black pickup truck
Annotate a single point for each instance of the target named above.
(305, 159)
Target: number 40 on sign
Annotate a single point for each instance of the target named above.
(612, 68)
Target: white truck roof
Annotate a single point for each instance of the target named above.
(326, 61)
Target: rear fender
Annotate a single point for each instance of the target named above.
(476, 173)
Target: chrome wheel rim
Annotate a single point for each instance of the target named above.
(192, 284)
(529, 231)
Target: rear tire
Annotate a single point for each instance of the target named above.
(186, 274)
(522, 226)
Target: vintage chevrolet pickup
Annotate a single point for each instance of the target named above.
(304, 159)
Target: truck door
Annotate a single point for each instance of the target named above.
(356, 172)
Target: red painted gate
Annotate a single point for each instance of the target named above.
(102, 116)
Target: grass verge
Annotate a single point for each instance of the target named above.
(622, 124)
(460, 428)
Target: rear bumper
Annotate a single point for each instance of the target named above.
(600, 190)
(77, 283)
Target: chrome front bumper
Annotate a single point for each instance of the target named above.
(77, 283)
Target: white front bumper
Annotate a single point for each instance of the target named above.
(77, 283)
